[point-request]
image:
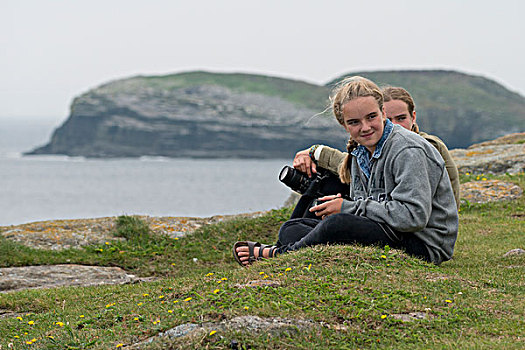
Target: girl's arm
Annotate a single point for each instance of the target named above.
(408, 206)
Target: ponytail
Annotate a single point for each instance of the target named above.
(344, 168)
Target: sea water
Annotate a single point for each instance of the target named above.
(35, 188)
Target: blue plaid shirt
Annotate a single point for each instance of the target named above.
(362, 155)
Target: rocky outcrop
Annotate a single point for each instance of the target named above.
(199, 114)
(77, 233)
(502, 155)
(30, 277)
(273, 326)
(485, 191)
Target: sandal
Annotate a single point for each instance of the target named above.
(251, 251)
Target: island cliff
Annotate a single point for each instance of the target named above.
(200, 114)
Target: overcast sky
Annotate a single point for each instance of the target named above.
(54, 50)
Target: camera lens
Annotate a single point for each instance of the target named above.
(285, 174)
(294, 179)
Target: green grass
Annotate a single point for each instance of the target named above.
(352, 293)
(295, 91)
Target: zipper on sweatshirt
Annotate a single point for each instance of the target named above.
(369, 188)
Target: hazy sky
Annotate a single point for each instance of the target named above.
(54, 50)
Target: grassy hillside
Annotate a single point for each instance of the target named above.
(351, 293)
(305, 94)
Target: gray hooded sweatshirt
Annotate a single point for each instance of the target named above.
(409, 190)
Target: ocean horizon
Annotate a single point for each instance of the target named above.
(54, 187)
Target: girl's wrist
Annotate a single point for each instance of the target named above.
(315, 152)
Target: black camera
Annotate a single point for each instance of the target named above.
(300, 182)
(321, 184)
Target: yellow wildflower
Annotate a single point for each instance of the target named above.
(216, 291)
(213, 332)
(19, 318)
(106, 243)
(31, 323)
(81, 316)
(140, 304)
(119, 345)
(224, 279)
(145, 294)
(135, 319)
(188, 299)
(383, 317)
(61, 324)
(383, 256)
(175, 301)
(448, 301)
(288, 269)
(161, 296)
(246, 308)
(170, 311)
(209, 274)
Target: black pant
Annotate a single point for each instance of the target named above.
(346, 229)
(305, 229)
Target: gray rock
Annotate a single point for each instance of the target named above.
(517, 251)
(50, 276)
(502, 155)
(274, 326)
(412, 316)
(259, 283)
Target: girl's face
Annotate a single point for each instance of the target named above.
(364, 121)
(397, 112)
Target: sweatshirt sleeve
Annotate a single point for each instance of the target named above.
(408, 206)
(331, 158)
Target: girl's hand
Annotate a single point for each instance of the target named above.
(331, 205)
(304, 163)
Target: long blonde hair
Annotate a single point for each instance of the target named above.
(347, 90)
